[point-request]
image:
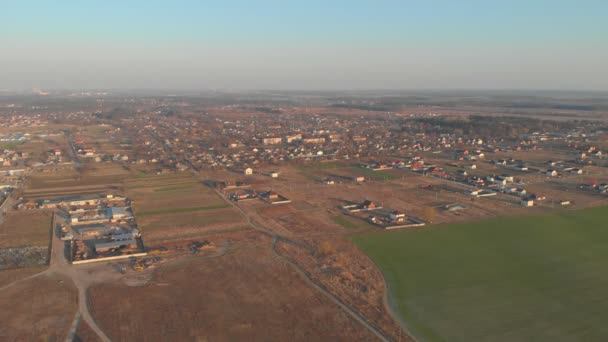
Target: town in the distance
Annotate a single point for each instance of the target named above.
(210, 216)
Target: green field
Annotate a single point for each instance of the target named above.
(385, 175)
(349, 223)
(538, 278)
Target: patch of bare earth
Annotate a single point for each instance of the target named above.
(38, 309)
(11, 275)
(248, 294)
(348, 274)
(84, 333)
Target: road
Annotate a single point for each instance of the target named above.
(80, 276)
(82, 280)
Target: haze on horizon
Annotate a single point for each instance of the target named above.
(345, 45)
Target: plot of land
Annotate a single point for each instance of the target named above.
(178, 205)
(9, 276)
(249, 295)
(538, 278)
(84, 333)
(21, 229)
(164, 194)
(41, 309)
(92, 174)
(190, 224)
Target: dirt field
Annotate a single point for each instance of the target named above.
(168, 226)
(84, 333)
(9, 276)
(246, 295)
(347, 273)
(41, 309)
(178, 205)
(91, 174)
(25, 228)
(166, 193)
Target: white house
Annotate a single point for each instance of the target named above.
(527, 202)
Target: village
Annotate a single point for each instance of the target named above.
(127, 196)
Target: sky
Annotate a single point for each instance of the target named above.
(304, 45)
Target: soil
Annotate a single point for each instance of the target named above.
(41, 309)
(246, 295)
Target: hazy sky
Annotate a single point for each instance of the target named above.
(305, 44)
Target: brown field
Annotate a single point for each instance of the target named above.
(70, 180)
(84, 333)
(12, 275)
(246, 295)
(178, 205)
(51, 179)
(25, 228)
(41, 309)
(106, 169)
(45, 193)
(348, 274)
(186, 225)
(170, 193)
(300, 221)
(92, 174)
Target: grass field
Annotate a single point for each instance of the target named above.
(350, 223)
(385, 175)
(539, 278)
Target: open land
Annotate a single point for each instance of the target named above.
(41, 308)
(179, 206)
(244, 295)
(23, 229)
(221, 268)
(12, 275)
(532, 278)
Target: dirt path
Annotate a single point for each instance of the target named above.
(333, 298)
(23, 279)
(275, 237)
(79, 277)
(83, 278)
(72, 333)
(83, 308)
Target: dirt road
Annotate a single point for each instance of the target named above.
(304, 275)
